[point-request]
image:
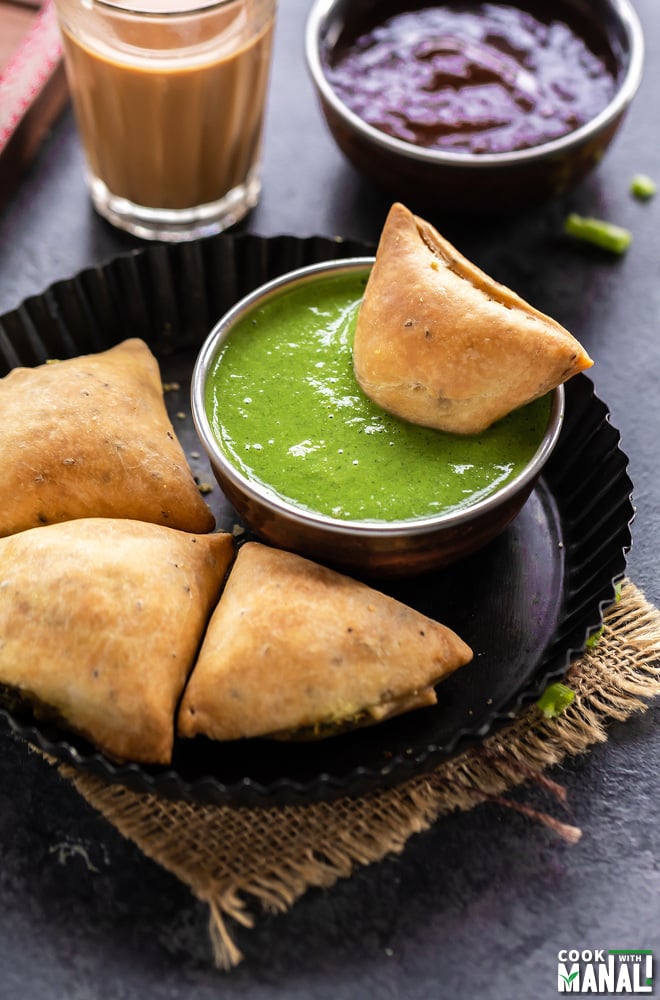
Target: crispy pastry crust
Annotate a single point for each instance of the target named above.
(90, 437)
(101, 620)
(295, 646)
(440, 343)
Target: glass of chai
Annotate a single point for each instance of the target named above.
(169, 99)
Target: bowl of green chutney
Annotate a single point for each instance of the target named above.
(312, 465)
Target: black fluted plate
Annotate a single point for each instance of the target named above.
(526, 604)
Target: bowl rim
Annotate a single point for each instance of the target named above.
(363, 529)
(628, 86)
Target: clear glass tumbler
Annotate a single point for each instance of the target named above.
(169, 99)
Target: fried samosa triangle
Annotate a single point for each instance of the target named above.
(440, 343)
(298, 650)
(90, 437)
(100, 622)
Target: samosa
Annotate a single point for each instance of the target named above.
(440, 343)
(100, 623)
(297, 650)
(90, 437)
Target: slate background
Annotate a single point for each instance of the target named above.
(478, 906)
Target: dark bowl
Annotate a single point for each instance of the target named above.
(466, 181)
(364, 548)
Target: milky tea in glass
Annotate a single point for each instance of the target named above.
(169, 100)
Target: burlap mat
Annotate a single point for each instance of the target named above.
(241, 860)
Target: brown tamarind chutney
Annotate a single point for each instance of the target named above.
(476, 78)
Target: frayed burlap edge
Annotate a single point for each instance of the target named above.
(240, 860)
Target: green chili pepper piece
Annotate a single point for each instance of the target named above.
(642, 186)
(602, 234)
(555, 699)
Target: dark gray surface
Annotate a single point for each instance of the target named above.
(480, 905)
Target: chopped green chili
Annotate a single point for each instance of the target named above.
(602, 234)
(593, 639)
(555, 699)
(642, 186)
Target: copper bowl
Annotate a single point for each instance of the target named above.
(363, 548)
(475, 182)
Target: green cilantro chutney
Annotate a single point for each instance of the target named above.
(288, 413)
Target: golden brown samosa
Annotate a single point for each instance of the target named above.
(440, 343)
(296, 649)
(90, 437)
(100, 622)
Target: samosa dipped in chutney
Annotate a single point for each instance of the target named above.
(440, 343)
